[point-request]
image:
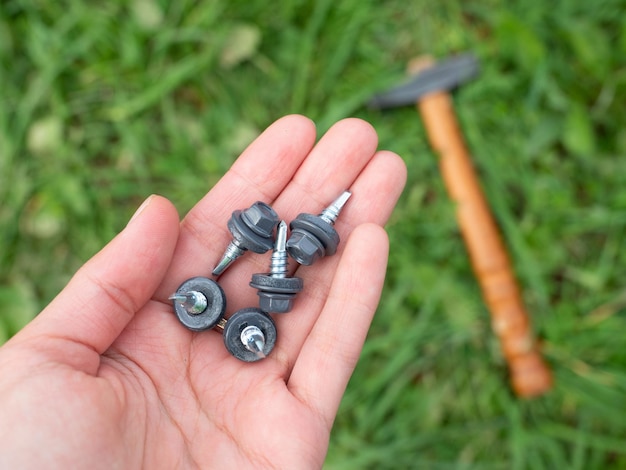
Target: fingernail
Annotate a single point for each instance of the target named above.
(141, 208)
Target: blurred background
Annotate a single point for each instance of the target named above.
(103, 103)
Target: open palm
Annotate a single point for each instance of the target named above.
(106, 377)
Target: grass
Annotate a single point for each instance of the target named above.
(102, 103)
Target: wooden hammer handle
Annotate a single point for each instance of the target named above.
(530, 376)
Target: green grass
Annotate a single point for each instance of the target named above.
(103, 103)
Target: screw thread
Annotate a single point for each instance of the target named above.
(331, 213)
(279, 261)
(232, 252)
(279, 265)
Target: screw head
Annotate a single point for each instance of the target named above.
(305, 248)
(311, 238)
(215, 308)
(276, 294)
(261, 218)
(270, 302)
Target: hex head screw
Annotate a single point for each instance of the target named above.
(199, 303)
(250, 334)
(276, 291)
(313, 236)
(252, 229)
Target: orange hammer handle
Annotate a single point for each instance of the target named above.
(530, 376)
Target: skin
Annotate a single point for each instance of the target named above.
(106, 377)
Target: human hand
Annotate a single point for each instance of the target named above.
(106, 377)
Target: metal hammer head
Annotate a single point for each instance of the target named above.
(442, 76)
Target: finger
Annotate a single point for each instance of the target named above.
(375, 193)
(260, 173)
(330, 353)
(109, 289)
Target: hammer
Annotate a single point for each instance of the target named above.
(529, 374)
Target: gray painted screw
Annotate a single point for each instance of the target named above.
(252, 229)
(250, 334)
(313, 237)
(276, 291)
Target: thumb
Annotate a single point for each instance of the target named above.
(111, 287)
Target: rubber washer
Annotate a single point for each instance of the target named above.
(216, 304)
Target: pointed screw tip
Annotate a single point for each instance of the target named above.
(331, 213)
(233, 251)
(281, 236)
(343, 198)
(222, 265)
(258, 350)
(254, 341)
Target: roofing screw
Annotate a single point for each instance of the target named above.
(313, 237)
(276, 291)
(250, 334)
(252, 229)
(199, 303)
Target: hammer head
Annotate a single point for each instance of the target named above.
(443, 76)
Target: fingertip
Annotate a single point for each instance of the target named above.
(141, 208)
(366, 126)
(295, 126)
(362, 130)
(152, 234)
(296, 120)
(163, 205)
(156, 210)
(368, 234)
(396, 166)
